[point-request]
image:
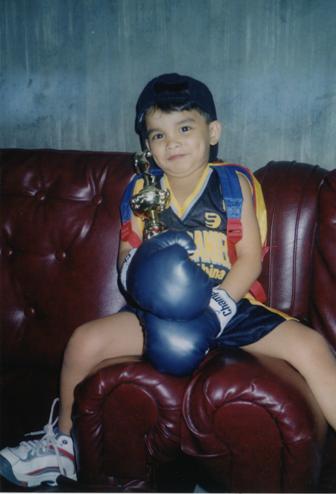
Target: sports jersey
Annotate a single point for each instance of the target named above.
(203, 217)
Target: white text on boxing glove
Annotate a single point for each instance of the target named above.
(223, 306)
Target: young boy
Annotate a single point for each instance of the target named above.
(176, 119)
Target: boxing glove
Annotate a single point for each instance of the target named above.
(223, 306)
(178, 347)
(162, 279)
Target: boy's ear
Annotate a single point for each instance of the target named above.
(215, 130)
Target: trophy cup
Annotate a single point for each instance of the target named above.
(151, 200)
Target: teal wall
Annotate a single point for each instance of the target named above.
(71, 70)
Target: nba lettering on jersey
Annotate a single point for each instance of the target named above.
(211, 247)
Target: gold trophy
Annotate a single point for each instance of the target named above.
(151, 200)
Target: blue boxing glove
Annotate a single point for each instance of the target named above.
(162, 279)
(178, 347)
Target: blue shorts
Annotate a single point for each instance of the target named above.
(251, 322)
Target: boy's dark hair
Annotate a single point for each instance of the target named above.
(174, 92)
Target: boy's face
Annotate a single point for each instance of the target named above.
(180, 140)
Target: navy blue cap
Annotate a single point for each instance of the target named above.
(173, 89)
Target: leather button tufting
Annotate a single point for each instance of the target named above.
(97, 200)
(60, 256)
(30, 312)
(7, 252)
(40, 195)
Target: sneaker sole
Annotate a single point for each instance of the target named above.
(6, 471)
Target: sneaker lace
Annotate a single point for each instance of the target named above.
(48, 439)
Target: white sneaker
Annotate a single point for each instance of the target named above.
(42, 460)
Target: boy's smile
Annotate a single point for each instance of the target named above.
(180, 141)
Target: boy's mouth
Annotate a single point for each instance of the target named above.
(174, 157)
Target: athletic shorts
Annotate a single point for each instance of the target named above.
(252, 321)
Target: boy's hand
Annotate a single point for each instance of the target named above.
(162, 279)
(223, 306)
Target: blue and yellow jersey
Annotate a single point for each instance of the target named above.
(204, 218)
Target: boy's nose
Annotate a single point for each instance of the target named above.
(172, 142)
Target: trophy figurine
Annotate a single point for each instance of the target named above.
(151, 200)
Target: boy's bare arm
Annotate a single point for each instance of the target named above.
(247, 267)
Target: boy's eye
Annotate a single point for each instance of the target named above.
(157, 136)
(185, 128)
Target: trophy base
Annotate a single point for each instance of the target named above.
(152, 230)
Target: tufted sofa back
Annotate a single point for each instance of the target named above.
(60, 233)
(59, 224)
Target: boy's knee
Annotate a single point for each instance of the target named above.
(312, 346)
(79, 342)
(315, 339)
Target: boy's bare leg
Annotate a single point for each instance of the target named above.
(307, 351)
(113, 336)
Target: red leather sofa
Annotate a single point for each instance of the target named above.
(239, 423)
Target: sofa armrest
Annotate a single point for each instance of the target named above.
(323, 308)
(253, 424)
(291, 192)
(127, 421)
